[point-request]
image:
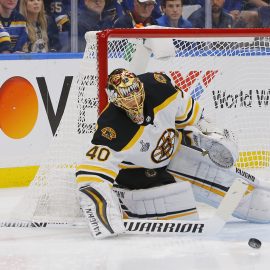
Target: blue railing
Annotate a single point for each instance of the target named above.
(40, 56)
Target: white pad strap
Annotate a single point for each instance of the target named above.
(101, 210)
(256, 208)
(173, 201)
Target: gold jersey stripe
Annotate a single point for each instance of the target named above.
(124, 166)
(192, 119)
(184, 116)
(62, 21)
(134, 139)
(165, 103)
(18, 24)
(105, 107)
(91, 168)
(4, 38)
(84, 178)
(195, 114)
(180, 135)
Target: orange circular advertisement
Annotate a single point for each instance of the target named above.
(18, 107)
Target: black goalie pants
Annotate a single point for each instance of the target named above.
(141, 178)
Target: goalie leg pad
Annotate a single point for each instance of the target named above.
(173, 201)
(210, 184)
(257, 208)
(101, 210)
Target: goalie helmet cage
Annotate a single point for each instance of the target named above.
(226, 70)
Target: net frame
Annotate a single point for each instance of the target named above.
(92, 75)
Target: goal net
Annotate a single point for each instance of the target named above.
(227, 71)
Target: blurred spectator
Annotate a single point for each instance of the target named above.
(251, 14)
(42, 29)
(241, 18)
(112, 10)
(5, 42)
(264, 16)
(173, 15)
(90, 19)
(60, 11)
(220, 19)
(140, 15)
(233, 7)
(15, 24)
(254, 4)
(128, 5)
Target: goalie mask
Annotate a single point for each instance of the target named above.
(126, 91)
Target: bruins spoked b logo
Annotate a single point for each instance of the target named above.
(165, 146)
(108, 133)
(159, 77)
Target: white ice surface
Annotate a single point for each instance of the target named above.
(74, 249)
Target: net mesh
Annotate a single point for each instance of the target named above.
(52, 196)
(228, 76)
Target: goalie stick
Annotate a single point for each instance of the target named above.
(165, 227)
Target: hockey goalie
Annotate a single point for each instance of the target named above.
(154, 156)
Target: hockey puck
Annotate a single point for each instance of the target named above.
(254, 243)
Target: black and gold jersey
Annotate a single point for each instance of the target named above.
(120, 143)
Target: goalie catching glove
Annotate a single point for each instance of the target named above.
(101, 209)
(220, 144)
